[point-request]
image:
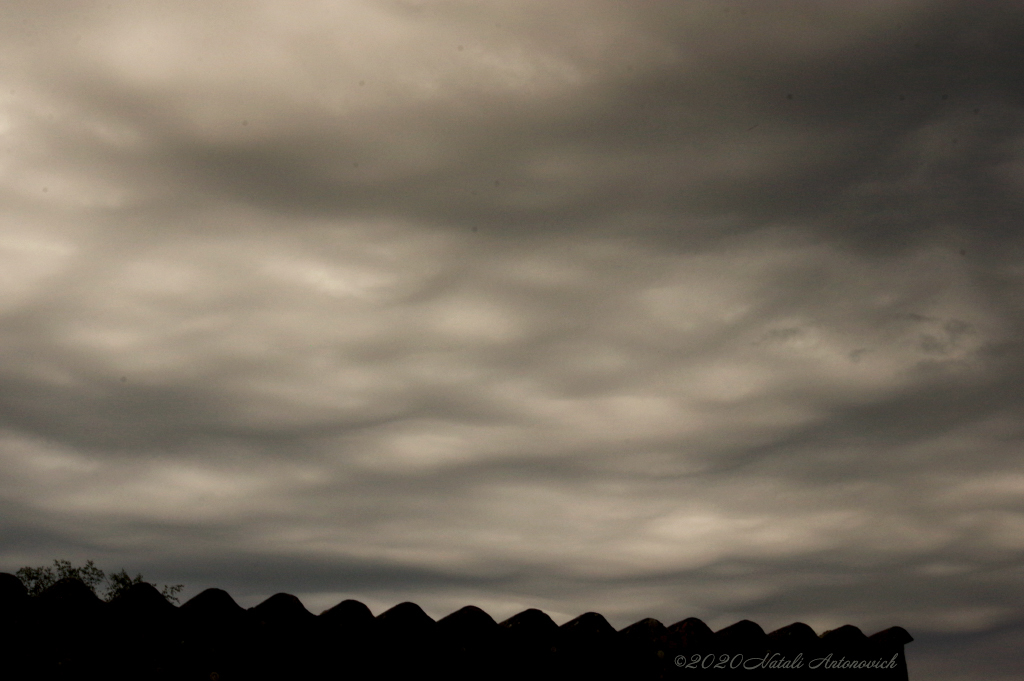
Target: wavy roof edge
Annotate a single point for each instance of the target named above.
(284, 606)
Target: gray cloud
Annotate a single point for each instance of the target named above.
(702, 309)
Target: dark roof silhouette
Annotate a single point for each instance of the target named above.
(647, 631)
(213, 603)
(846, 636)
(70, 596)
(13, 592)
(348, 614)
(744, 635)
(282, 610)
(142, 600)
(588, 625)
(893, 636)
(406, 618)
(796, 636)
(279, 638)
(691, 633)
(531, 623)
(587, 632)
(467, 621)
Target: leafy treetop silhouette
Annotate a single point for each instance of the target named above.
(39, 579)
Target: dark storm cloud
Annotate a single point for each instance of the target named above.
(872, 126)
(677, 309)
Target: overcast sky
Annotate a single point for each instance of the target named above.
(661, 309)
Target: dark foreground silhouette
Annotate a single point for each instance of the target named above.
(66, 632)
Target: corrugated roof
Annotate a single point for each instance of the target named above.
(67, 632)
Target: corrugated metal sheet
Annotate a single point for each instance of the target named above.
(68, 633)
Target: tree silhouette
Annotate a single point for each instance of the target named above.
(39, 579)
